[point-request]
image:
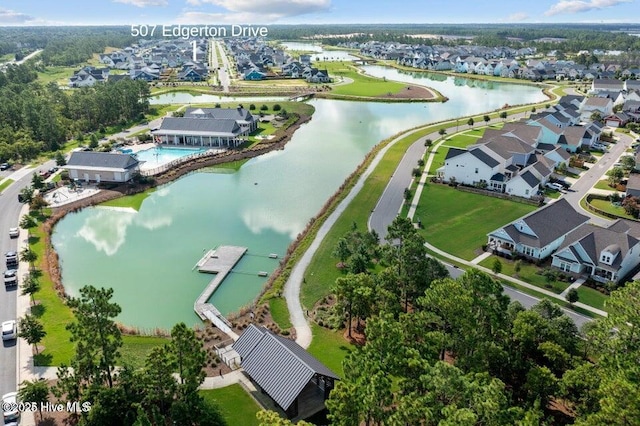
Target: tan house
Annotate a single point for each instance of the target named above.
(101, 166)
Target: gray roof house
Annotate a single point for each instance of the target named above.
(101, 166)
(296, 381)
(207, 127)
(538, 234)
(604, 254)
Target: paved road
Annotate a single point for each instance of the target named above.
(224, 71)
(580, 188)
(526, 300)
(9, 214)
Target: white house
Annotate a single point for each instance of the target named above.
(604, 254)
(539, 233)
(101, 166)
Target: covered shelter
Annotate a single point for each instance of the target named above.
(295, 380)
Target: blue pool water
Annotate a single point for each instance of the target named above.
(160, 155)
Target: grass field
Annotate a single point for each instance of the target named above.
(5, 184)
(464, 139)
(606, 206)
(279, 312)
(136, 348)
(131, 201)
(362, 85)
(330, 347)
(56, 74)
(236, 405)
(592, 297)
(528, 273)
(458, 222)
(603, 184)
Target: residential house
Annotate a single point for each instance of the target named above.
(603, 106)
(619, 119)
(101, 166)
(538, 234)
(603, 254)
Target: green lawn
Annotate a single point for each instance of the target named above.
(363, 85)
(592, 297)
(330, 347)
(279, 312)
(438, 159)
(56, 74)
(458, 222)
(52, 312)
(136, 348)
(552, 193)
(528, 273)
(461, 140)
(603, 184)
(130, 201)
(606, 206)
(5, 184)
(236, 405)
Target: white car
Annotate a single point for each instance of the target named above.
(14, 232)
(555, 186)
(9, 330)
(10, 407)
(10, 277)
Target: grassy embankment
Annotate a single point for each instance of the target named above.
(236, 405)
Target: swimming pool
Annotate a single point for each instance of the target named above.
(157, 156)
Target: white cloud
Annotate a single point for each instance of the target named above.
(517, 17)
(12, 17)
(250, 11)
(194, 18)
(144, 3)
(575, 6)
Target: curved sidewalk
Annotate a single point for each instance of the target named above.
(293, 284)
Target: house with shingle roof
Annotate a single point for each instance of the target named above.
(293, 378)
(538, 234)
(604, 254)
(550, 131)
(603, 106)
(101, 166)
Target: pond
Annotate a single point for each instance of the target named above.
(317, 53)
(147, 256)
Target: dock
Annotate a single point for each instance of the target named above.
(219, 261)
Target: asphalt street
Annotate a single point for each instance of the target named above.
(9, 214)
(526, 300)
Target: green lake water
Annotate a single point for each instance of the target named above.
(148, 256)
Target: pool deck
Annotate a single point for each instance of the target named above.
(219, 261)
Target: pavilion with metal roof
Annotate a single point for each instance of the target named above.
(295, 380)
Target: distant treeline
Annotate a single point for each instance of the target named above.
(36, 118)
(578, 36)
(63, 45)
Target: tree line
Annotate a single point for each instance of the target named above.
(108, 391)
(36, 118)
(443, 351)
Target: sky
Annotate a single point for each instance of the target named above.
(225, 12)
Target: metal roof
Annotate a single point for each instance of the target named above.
(279, 366)
(196, 126)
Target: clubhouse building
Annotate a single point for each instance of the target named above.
(207, 127)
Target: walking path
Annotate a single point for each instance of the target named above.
(576, 284)
(481, 257)
(514, 280)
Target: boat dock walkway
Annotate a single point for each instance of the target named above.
(219, 261)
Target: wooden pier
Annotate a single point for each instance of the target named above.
(219, 261)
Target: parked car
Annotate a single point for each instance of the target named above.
(10, 277)
(9, 330)
(10, 406)
(11, 258)
(555, 186)
(5, 166)
(14, 232)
